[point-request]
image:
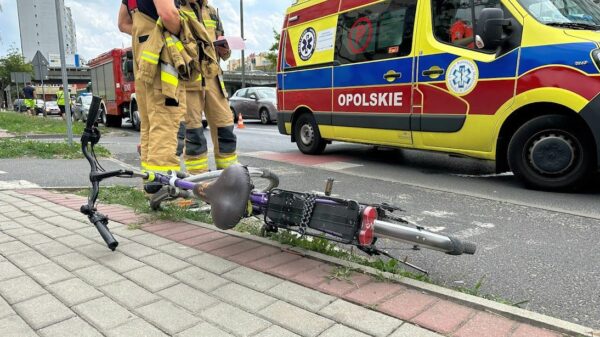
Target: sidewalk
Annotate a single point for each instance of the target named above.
(57, 278)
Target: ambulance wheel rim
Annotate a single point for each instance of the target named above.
(307, 134)
(552, 154)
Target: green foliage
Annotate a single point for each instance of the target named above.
(22, 124)
(13, 61)
(274, 50)
(18, 148)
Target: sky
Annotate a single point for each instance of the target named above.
(97, 32)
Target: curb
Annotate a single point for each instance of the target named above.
(517, 314)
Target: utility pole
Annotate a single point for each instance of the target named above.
(243, 53)
(63, 63)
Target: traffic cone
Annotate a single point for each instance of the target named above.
(240, 124)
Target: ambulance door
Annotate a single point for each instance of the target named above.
(462, 84)
(373, 72)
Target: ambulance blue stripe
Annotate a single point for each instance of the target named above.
(372, 73)
(307, 79)
(279, 81)
(559, 54)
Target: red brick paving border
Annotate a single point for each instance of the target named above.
(396, 300)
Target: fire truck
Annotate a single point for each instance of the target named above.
(112, 79)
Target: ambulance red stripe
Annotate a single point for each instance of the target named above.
(318, 11)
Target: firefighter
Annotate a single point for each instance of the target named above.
(210, 96)
(160, 114)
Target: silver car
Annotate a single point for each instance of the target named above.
(255, 103)
(82, 107)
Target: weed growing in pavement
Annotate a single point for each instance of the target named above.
(19, 148)
(341, 273)
(475, 290)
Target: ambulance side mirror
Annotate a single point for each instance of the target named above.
(490, 30)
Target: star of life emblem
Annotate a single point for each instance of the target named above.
(462, 76)
(307, 44)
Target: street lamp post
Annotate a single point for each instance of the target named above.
(243, 53)
(61, 47)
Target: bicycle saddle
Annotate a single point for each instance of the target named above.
(228, 196)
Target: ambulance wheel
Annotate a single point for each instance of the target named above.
(307, 135)
(552, 153)
(136, 121)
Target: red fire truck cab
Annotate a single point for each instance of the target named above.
(112, 79)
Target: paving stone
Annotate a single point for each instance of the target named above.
(65, 222)
(342, 331)
(168, 317)
(200, 279)
(443, 317)
(204, 330)
(407, 305)
(374, 292)
(9, 224)
(74, 291)
(43, 311)
(151, 278)
(129, 294)
(235, 249)
(13, 247)
(74, 240)
(151, 240)
(55, 232)
(135, 328)
(276, 331)
(184, 235)
(484, 324)
(409, 330)
(292, 269)
(301, 296)
(71, 327)
(53, 248)
(120, 263)
(9, 271)
(5, 238)
(125, 232)
(212, 263)
(19, 232)
(252, 278)
(136, 250)
(197, 240)
(34, 239)
(98, 275)
(313, 277)
(20, 289)
(218, 243)
(241, 296)
(524, 330)
(15, 326)
(165, 263)
(360, 318)
(178, 228)
(28, 259)
(5, 309)
(73, 261)
(104, 313)
(340, 287)
(269, 262)
(254, 254)
(49, 273)
(178, 250)
(298, 320)
(94, 251)
(189, 298)
(235, 320)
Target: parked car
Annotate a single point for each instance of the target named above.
(82, 107)
(19, 105)
(255, 103)
(52, 108)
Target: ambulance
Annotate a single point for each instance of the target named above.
(512, 81)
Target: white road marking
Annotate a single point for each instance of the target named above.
(336, 166)
(258, 154)
(438, 214)
(2, 172)
(469, 232)
(483, 224)
(17, 184)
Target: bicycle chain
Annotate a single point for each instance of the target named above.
(309, 207)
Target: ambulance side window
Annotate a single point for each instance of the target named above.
(376, 32)
(453, 20)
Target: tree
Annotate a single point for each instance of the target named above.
(274, 50)
(13, 61)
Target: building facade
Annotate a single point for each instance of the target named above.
(37, 24)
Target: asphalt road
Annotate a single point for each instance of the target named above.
(532, 246)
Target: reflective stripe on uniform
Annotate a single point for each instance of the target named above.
(168, 74)
(174, 41)
(208, 23)
(191, 14)
(199, 78)
(223, 163)
(159, 169)
(196, 164)
(150, 57)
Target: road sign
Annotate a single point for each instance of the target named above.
(20, 77)
(40, 67)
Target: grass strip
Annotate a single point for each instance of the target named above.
(23, 124)
(21, 148)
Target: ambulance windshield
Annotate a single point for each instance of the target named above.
(574, 14)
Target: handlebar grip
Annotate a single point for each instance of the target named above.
(106, 235)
